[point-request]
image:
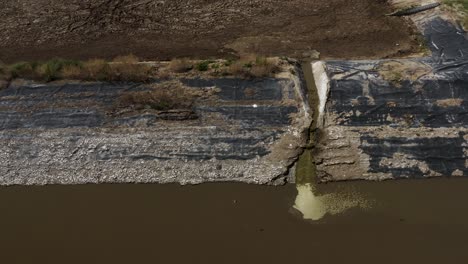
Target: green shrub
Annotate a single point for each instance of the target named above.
(23, 69)
(248, 65)
(46, 71)
(51, 70)
(463, 3)
(461, 8)
(203, 66)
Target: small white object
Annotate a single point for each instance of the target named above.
(255, 106)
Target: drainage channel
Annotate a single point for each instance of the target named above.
(310, 202)
(411, 199)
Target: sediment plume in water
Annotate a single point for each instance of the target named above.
(315, 207)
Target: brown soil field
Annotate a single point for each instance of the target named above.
(161, 30)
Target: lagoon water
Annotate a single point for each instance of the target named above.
(415, 221)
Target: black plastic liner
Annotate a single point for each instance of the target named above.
(371, 99)
(362, 99)
(243, 129)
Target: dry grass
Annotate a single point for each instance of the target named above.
(238, 68)
(128, 68)
(264, 67)
(45, 71)
(4, 71)
(95, 69)
(123, 68)
(452, 102)
(5, 75)
(460, 9)
(162, 98)
(163, 74)
(254, 66)
(180, 65)
(395, 72)
(72, 72)
(128, 59)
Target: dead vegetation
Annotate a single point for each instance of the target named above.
(459, 9)
(451, 102)
(180, 65)
(125, 68)
(130, 69)
(4, 75)
(167, 96)
(395, 72)
(250, 66)
(264, 67)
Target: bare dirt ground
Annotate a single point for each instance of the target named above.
(160, 30)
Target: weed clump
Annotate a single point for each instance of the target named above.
(203, 66)
(45, 71)
(128, 68)
(95, 69)
(127, 59)
(264, 67)
(254, 67)
(460, 8)
(123, 68)
(51, 70)
(461, 3)
(23, 69)
(180, 65)
(161, 98)
(239, 68)
(5, 75)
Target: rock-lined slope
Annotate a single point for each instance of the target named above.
(72, 133)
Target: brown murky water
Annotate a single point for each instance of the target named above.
(400, 222)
